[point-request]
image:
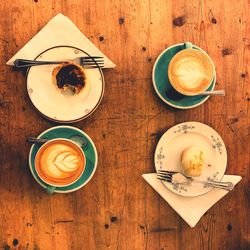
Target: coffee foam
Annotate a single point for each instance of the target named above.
(60, 163)
(190, 71)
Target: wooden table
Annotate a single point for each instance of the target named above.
(118, 209)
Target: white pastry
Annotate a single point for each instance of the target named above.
(192, 161)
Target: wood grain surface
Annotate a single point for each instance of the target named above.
(118, 209)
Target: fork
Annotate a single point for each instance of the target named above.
(88, 62)
(168, 176)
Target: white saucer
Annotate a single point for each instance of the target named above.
(176, 139)
(63, 107)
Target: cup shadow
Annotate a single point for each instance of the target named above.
(172, 94)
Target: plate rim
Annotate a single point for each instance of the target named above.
(159, 94)
(199, 123)
(95, 165)
(66, 121)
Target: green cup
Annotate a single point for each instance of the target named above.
(89, 149)
(188, 64)
(163, 86)
(51, 187)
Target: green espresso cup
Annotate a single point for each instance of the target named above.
(89, 149)
(59, 162)
(191, 71)
(162, 85)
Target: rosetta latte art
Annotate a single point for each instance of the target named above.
(60, 163)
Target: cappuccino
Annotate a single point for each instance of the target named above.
(191, 72)
(60, 162)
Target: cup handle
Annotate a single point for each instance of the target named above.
(188, 45)
(50, 189)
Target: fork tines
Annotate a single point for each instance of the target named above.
(166, 172)
(92, 61)
(164, 178)
(165, 175)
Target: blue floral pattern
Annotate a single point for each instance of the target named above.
(217, 144)
(159, 157)
(184, 128)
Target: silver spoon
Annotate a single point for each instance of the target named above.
(214, 92)
(76, 138)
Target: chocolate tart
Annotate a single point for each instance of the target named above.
(69, 76)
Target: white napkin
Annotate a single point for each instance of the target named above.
(190, 209)
(60, 30)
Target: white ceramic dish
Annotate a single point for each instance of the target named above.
(63, 107)
(176, 139)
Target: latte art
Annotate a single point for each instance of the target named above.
(60, 163)
(190, 72)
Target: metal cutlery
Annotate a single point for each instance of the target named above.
(171, 176)
(88, 62)
(76, 138)
(214, 92)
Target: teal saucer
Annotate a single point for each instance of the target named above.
(162, 84)
(89, 151)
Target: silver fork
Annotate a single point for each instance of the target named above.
(89, 62)
(168, 176)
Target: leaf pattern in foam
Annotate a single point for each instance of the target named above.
(66, 161)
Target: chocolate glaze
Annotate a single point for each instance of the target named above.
(70, 75)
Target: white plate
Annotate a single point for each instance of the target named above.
(176, 139)
(63, 106)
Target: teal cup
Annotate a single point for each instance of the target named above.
(52, 186)
(86, 144)
(163, 86)
(191, 71)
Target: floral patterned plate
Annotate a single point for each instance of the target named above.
(176, 139)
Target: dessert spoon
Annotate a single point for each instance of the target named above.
(82, 142)
(214, 92)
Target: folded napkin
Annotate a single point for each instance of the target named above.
(60, 30)
(190, 209)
